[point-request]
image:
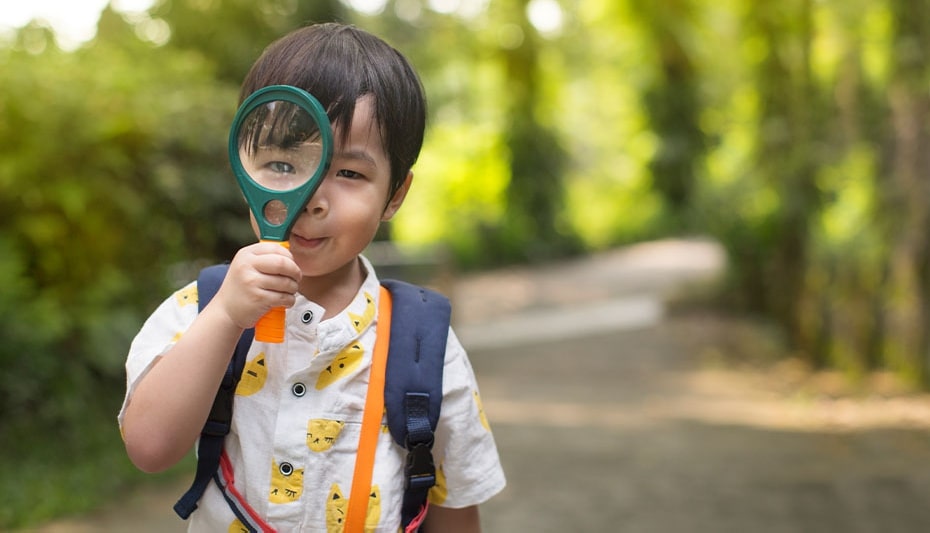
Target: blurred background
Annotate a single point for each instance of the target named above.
(793, 134)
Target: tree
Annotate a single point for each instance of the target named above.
(770, 264)
(535, 226)
(238, 30)
(109, 178)
(673, 104)
(905, 209)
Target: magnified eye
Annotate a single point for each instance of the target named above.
(276, 171)
(281, 167)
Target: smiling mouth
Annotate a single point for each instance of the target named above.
(307, 242)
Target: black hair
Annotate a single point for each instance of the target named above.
(338, 64)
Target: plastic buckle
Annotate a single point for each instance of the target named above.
(419, 472)
(219, 421)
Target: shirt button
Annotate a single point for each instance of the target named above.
(307, 317)
(299, 389)
(286, 469)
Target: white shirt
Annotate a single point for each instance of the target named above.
(298, 413)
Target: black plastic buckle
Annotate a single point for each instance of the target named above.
(419, 472)
(219, 421)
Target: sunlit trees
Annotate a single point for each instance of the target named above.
(905, 191)
(106, 163)
(673, 102)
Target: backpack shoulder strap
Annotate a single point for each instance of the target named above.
(413, 388)
(218, 423)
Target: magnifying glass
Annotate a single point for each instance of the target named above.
(280, 146)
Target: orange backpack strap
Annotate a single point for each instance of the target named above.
(371, 421)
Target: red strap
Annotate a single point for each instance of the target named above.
(371, 421)
(228, 486)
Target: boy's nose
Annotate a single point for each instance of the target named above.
(318, 204)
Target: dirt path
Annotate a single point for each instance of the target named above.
(634, 432)
(641, 422)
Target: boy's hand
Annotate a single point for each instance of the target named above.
(261, 276)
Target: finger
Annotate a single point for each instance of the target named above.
(270, 247)
(278, 283)
(278, 265)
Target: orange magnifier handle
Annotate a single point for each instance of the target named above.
(270, 327)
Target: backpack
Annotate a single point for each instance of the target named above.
(412, 389)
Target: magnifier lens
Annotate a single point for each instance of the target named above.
(275, 212)
(281, 149)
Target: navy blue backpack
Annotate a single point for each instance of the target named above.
(412, 389)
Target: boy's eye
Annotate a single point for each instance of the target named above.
(346, 173)
(281, 167)
(277, 175)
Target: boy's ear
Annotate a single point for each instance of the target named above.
(398, 199)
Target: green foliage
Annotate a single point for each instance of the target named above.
(110, 164)
(72, 471)
(456, 192)
(238, 30)
(673, 105)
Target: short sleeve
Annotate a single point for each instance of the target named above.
(469, 470)
(157, 335)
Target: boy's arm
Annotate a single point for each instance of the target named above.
(172, 401)
(170, 404)
(447, 520)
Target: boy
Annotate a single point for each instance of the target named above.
(296, 420)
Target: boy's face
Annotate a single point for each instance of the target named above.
(343, 215)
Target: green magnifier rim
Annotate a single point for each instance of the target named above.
(257, 195)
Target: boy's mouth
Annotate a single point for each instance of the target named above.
(307, 242)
